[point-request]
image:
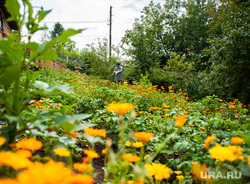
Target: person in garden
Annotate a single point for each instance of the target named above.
(118, 73)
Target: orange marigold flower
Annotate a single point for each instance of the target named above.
(91, 153)
(85, 159)
(24, 153)
(203, 128)
(51, 172)
(143, 136)
(73, 134)
(82, 167)
(95, 132)
(8, 181)
(2, 140)
(14, 160)
(199, 170)
(130, 157)
(248, 160)
(159, 171)
(237, 140)
(62, 152)
(137, 144)
(209, 140)
(120, 108)
(29, 144)
(180, 121)
(81, 179)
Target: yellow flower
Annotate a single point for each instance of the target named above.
(178, 172)
(209, 140)
(199, 170)
(237, 140)
(180, 121)
(82, 167)
(143, 136)
(14, 160)
(130, 157)
(95, 132)
(230, 153)
(120, 108)
(29, 144)
(91, 154)
(159, 171)
(62, 152)
(128, 144)
(137, 144)
(2, 140)
(179, 177)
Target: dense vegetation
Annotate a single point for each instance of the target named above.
(149, 133)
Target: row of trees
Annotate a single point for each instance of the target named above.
(201, 46)
(210, 36)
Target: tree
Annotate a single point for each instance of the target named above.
(57, 30)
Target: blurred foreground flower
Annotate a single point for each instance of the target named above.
(14, 160)
(199, 171)
(120, 108)
(159, 171)
(51, 172)
(29, 144)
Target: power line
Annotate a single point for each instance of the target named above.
(76, 22)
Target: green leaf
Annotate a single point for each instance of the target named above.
(8, 48)
(41, 14)
(13, 7)
(67, 126)
(70, 119)
(9, 75)
(41, 85)
(245, 137)
(32, 45)
(245, 169)
(49, 56)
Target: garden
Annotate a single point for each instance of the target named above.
(71, 128)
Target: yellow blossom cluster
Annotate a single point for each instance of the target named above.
(230, 153)
(159, 171)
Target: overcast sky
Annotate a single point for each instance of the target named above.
(93, 15)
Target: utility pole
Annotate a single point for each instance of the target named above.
(110, 33)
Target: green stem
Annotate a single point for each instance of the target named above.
(161, 146)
